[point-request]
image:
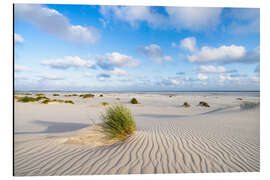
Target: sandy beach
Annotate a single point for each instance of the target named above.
(60, 139)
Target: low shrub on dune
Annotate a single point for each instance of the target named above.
(26, 99)
(204, 104)
(186, 104)
(134, 101)
(105, 104)
(40, 94)
(101, 95)
(87, 95)
(69, 102)
(56, 94)
(240, 99)
(28, 94)
(118, 122)
(249, 105)
(46, 101)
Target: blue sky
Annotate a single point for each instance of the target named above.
(112, 48)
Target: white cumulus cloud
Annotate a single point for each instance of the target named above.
(155, 53)
(51, 77)
(212, 69)
(119, 72)
(194, 18)
(133, 14)
(189, 44)
(117, 59)
(20, 68)
(18, 38)
(67, 62)
(222, 53)
(202, 77)
(53, 22)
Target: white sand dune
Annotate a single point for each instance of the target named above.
(169, 138)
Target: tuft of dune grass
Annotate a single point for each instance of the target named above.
(26, 99)
(46, 101)
(186, 104)
(101, 95)
(56, 94)
(40, 94)
(134, 101)
(118, 122)
(248, 105)
(87, 95)
(204, 104)
(105, 104)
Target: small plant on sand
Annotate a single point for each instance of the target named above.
(101, 95)
(46, 101)
(240, 99)
(105, 104)
(204, 104)
(56, 94)
(28, 94)
(87, 95)
(134, 101)
(118, 99)
(118, 122)
(69, 102)
(26, 99)
(249, 105)
(41, 97)
(40, 94)
(186, 104)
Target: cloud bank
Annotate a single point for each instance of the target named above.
(53, 22)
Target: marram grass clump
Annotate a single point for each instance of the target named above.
(56, 94)
(40, 94)
(26, 99)
(186, 104)
(87, 95)
(105, 104)
(118, 122)
(204, 104)
(46, 101)
(249, 105)
(134, 101)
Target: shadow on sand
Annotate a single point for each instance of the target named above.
(56, 127)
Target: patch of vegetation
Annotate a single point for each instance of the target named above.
(118, 99)
(186, 104)
(101, 95)
(118, 122)
(69, 95)
(240, 99)
(46, 101)
(87, 95)
(26, 99)
(41, 97)
(249, 105)
(105, 104)
(204, 104)
(56, 94)
(69, 102)
(134, 101)
(40, 94)
(28, 94)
